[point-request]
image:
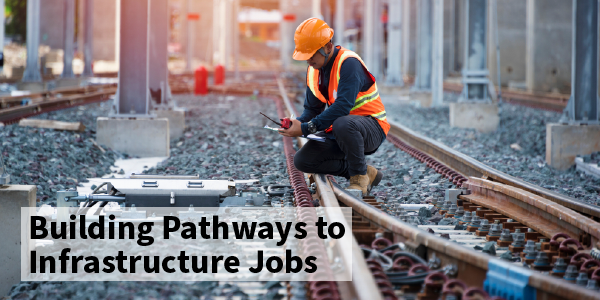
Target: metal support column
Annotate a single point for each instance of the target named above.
(215, 32)
(190, 38)
(584, 104)
(405, 36)
(236, 39)
(368, 36)
(133, 94)
(437, 54)
(286, 36)
(339, 22)
(159, 55)
(69, 48)
(32, 70)
(2, 38)
(316, 9)
(395, 50)
(88, 38)
(378, 63)
(475, 73)
(221, 26)
(424, 45)
(228, 27)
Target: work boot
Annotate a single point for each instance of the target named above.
(359, 182)
(374, 177)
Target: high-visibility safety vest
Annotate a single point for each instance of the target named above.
(366, 104)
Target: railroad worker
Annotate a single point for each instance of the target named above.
(354, 122)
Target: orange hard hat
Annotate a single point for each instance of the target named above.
(311, 35)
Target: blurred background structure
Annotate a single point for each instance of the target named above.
(476, 47)
(534, 36)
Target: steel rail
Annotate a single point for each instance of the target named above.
(8, 101)
(542, 215)
(16, 113)
(363, 285)
(553, 102)
(472, 266)
(470, 167)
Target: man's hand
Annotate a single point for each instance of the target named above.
(294, 130)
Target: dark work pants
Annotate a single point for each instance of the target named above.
(344, 156)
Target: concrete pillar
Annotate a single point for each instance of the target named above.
(565, 142)
(512, 39)
(549, 33)
(437, 54)
(133, 93)
(449, 39)
(159, 73)
(2, 37)
(424, 45)
(378, 61)
(339, 22)
(236, 38)
(88, 40)
(286, 36)
(460, 30)
(421, 90)
(368, 38)
(475, 72)
(221, 32)
(190, 37)
(118, 32)
(228, 27)
(216, 32)
(316, 9)
(68, 77)
(159, 56)
(584, 103)
(407, 43)
(32, 69)
(474, 109)
(12, 199)
(581, 136)
(132, 129)
(394, 52)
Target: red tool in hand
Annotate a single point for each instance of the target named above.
(285, 122)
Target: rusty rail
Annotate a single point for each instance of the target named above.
(472, 266)
(470, 167)
(547, 101)
(363, 285)
(540, 214)
(15, 113)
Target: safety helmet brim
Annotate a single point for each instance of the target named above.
(302, 56)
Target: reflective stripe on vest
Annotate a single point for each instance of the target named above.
(367, 103)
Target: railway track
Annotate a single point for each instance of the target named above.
(500, 217)
(16, 108)
(443, 260)
(546, 101)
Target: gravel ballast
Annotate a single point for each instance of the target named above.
(54, 159)
(224, 139)
(516, 148)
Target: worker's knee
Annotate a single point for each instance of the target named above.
(301, 161)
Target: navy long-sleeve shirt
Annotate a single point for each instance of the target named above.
(353, 79)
